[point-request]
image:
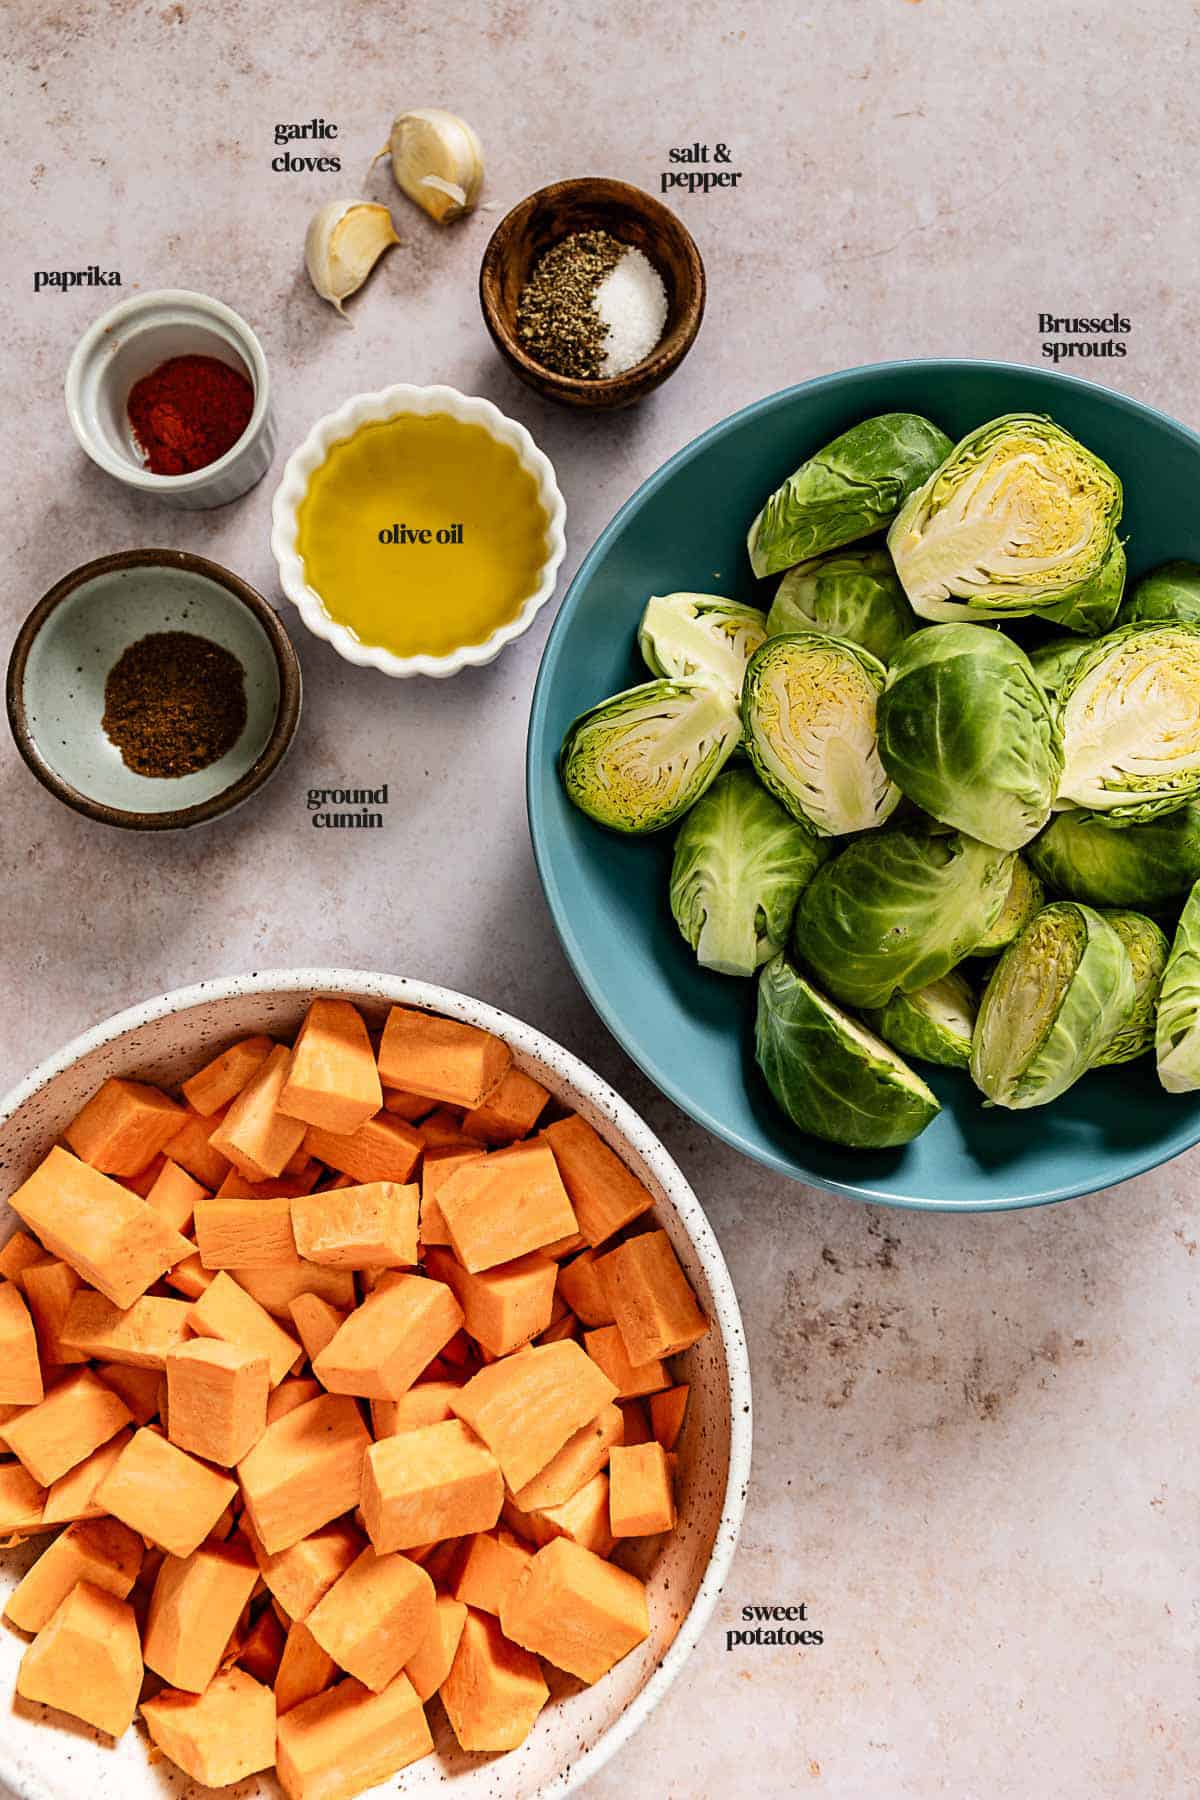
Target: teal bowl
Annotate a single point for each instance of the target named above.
(691, 1031)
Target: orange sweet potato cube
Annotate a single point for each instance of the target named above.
(641, 1496)
(167, 1495)
(217, 1737)
(102, 1551)
(584, 1518)
(505, 1306)
(369, 1227)
(527, 1406)
(386, 1342)
(306, 1469)
(667, 1412)
(189, 1277)
(244, 1234)
(110, 1237)
(192, 1148)
(316, 1322)
(87, 1660)
(18, 1254)
(211, 1088)
(293, 1391)
(298, 1576)
(581, 1613)
(428, 1403)
(20, 1370)
(332, 1080)
(605, 1194)
(410, 1107)
(495, 1689)
(140, 1335)
(124, 1126)
(217, 1399)
(383, 1149)
(508, 1204)
(442, 1130)
(224, 1310)
(511, 1110)
(49, 1288)
(492, 1562)
(75, 1418)
(347, 1739)
(138, 1388)
(274, 1187)
(73, 1495)
(430, 1664)
(196, 1603)
(437, 1166)
(581, 1288)
(435, 1482)
(652, 1302)
(375, 1617)
(22, 1501)
(581, 1458)
(448, 1060)
(262, 1651)
(304, 1669)
(607, 1349)
(254, 1134)
(276, 1287)
(174, 1194)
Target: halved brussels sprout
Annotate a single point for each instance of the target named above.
(966, 731)
(1177, 1029)
(847, 490)
(934, 1023)
(852, 593)
(808, 716)
(1081, 856)
(1054, 1001)
(685, 635)
(1130, 721)
(1026, 896)
(1168, 594)
(1147, 949)
(829, 1074)
(637, 761)
(897, 909)
(740, 864)
(1019, 519)
(1052, 663)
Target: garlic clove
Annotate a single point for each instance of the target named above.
(344, 241)
(437, 161)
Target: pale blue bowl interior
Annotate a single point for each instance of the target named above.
(691, 1031)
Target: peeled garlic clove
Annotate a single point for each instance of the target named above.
(437, 161)
(344, 241)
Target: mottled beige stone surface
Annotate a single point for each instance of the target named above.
(975, 1437)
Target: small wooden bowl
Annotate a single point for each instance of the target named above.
(589, 204)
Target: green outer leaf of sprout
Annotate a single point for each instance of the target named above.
(1177, 1031)
(1081, 856)
(1052, 663)
(1168, 594)
(637, 761)
(852, 593)
(1026, 896)
(1148, 949)
(686, 635)
(1130, 720)
(934, 1023)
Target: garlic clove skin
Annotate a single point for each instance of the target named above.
(438, 162)
(344, 241)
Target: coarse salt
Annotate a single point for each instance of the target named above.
(632, 304)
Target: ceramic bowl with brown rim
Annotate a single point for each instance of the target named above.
(593, 203)
(66, 650)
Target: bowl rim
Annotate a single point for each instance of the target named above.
(91, 342)
(389, 403)
(634, 1130)
(287, 714)
(658, 1072)
(671, 348)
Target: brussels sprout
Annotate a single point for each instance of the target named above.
(1080, 855)
(636, 762)
(934, 1023)
(1130, 721)
(1052, 663)
(1147, 949)
(847, 490)
(852, 594)
(1054, 1001)
(897, 909)
(1169, 594)
(740, 864)
(1177, 1030)
(830, 1075)
(1026, 896)
(682, 635)
(1019, 519)
(808, 716)
(966, 731)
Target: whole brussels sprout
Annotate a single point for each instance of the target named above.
(897, 909)
(1055, 999)
(1130, 720)
(740, 864)
(685, 635)
(852, 593)
(1177, 1029)
(934, 1023)
(1052, 663)
(847, 490)
(1167, 595)
(1019, 519)
(830, 1075)
(1081, 856)
(966, 731)
(808, 719)
(1026, 896)
(1147, 949)
(637, 761)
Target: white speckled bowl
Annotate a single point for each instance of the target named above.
(389, 403)
(46, 1756)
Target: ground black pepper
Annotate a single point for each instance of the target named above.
(556, 320)
(174, 703)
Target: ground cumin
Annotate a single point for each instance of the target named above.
(174, 703)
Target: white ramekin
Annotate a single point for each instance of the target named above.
(132, 340)
(389, 403)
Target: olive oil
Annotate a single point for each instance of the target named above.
(422, 534)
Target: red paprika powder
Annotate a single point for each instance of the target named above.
(188, 412)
